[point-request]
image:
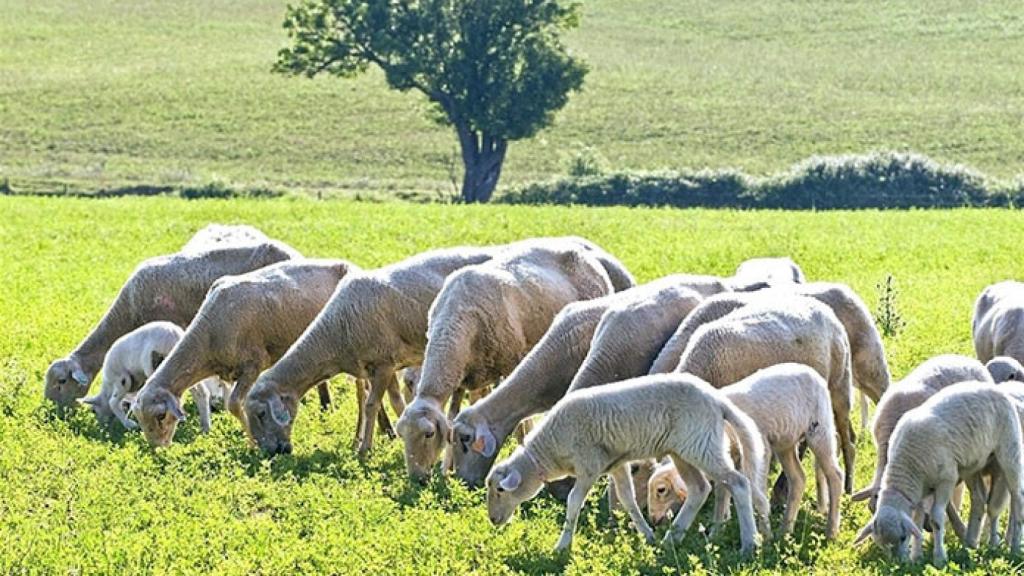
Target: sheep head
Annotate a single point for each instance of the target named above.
(891, 528)
(1005, 369)
(509, 484)
(158, 412)
(425, 430)
(270, 415)
(474, 447)
(66, 382)
(666, 493)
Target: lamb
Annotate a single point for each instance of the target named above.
(219, 236)
(1004, 369)
(544, 375)
(766, 271)
(998, 323)
(169, 288)
(786, 329)
(915, 389)
(127, 365)
(374, 325)
(599, 430)
(244, 325)
(484, 321)
(870, 368)
(789, 403)
(952, 437)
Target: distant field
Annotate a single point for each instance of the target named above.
(113, 93)
(76, 498)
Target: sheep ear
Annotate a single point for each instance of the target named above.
(909, 523)
(865, 532)
(278, 412)
(446, 430)
(80, 376)
(155, 358)
(679, 486)
(485, 443)
(865, 494)
(175, 411)
(511, 480)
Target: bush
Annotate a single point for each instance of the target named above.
(880, 180)
(221, 190)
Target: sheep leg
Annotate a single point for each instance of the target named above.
(740, 488)
(797, 483)
(577, 496)
(998, 497)
(380, 380)
(395, 397)
(847, 439)
(829, 479)
(247, 375)
(697, 492)
(623, 482)
(917, 517)
(721, 515)
(977, 513)
(943, 492)
(361, 387)
(863, 411)
(324, 394)
(201, 396)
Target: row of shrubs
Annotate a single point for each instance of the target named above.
(879, 180)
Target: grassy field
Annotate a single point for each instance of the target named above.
(114, 93)
(76, 498)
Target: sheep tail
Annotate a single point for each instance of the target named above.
(751, 444)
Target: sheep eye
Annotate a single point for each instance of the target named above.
(62, 381)
(465, 438)
(500, 489)
(662, 490)
(634, 468)
(429, 434)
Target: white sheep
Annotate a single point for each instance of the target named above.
(374, 325)
(870, 367)
(127, 365)
(169, 288)
(954, 436)
(756, 272)
(484, 321)
(599, 430)
(998, 323)
(913, 390)
(789, 403)
(245, 324)
(788, 328)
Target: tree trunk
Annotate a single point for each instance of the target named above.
(482, 159)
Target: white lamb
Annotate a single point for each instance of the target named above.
(598, 431)
(130, 361)
(952, 437)
(915, 389)
(789, 403)
(766, 272)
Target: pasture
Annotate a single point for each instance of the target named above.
(110, 94)
(78, 498)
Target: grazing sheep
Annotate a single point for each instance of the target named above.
(600, 430)
(666, 492)
(484, 321)
(169, 288)
(915, 389)
(785, 329)
(220, 235)
(954, 436)
(540, 379)
(789, 403)
(870, 367)
(129, 362)
(998, 324)
(1004, 369)
(374, 325)
(245, 324)
(766, 271)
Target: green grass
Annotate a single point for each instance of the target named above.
(113, 93)
(78, 498)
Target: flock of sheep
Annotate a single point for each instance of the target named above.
(669, 388)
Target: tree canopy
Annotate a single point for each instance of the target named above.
(496, 70)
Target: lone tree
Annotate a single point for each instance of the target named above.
(496, 70)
